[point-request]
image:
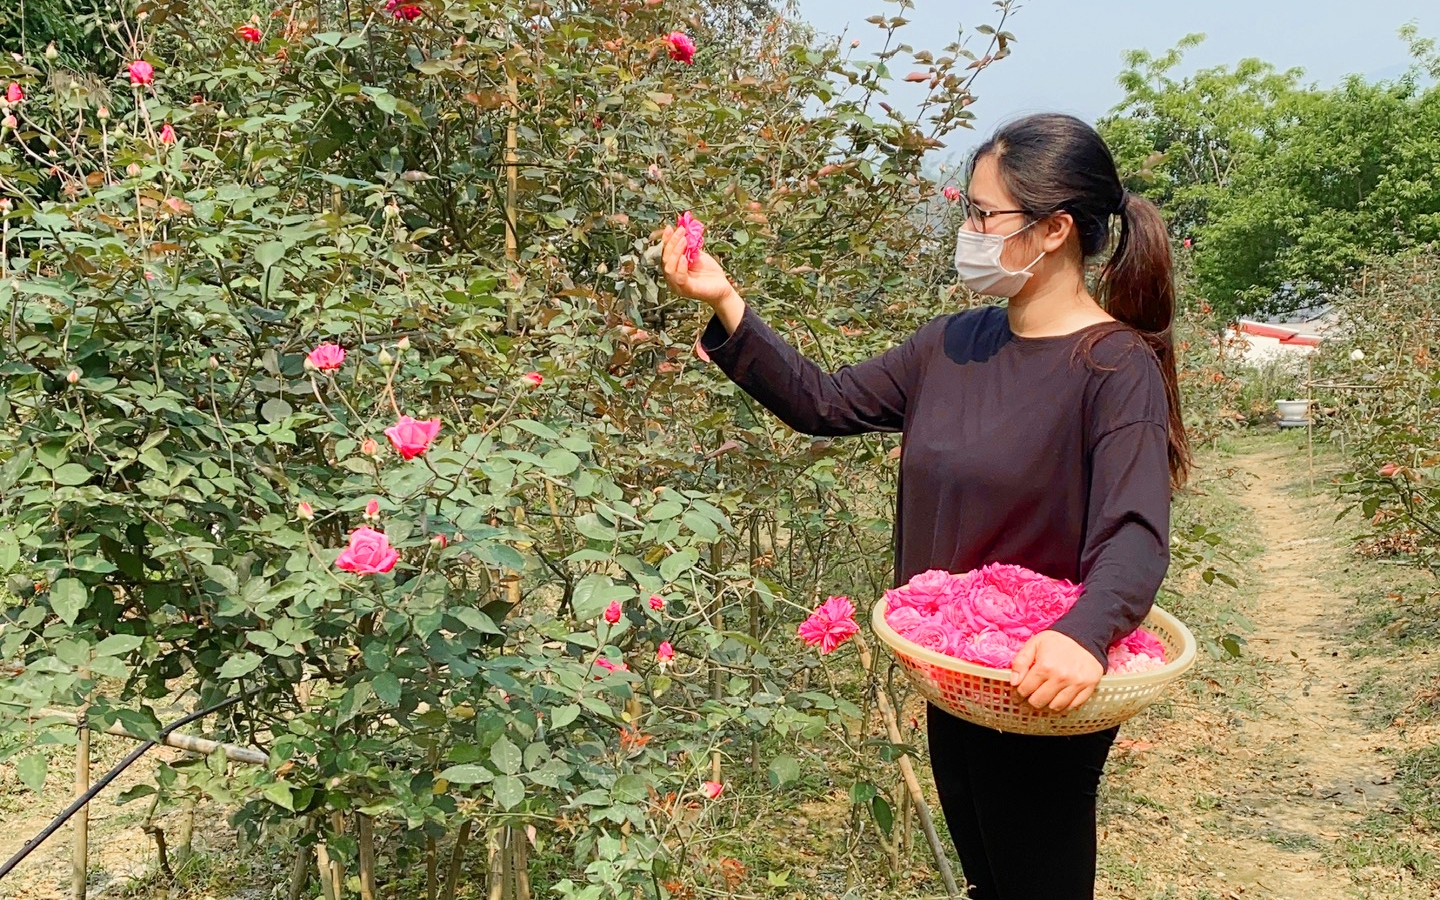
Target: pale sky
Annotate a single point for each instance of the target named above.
(1068, 52)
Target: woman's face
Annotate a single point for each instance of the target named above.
(993, 211)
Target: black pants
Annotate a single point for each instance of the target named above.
(1021, 808)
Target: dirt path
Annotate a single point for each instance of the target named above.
(1279, 770)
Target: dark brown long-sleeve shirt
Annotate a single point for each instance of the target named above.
(1015, 450)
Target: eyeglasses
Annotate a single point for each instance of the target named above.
(982, 216)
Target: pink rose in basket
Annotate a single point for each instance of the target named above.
(987, 648)
(905, 619)
(1121, 661)
(1016, 601)
(1141, 641)
(926, 592)
(931, 635)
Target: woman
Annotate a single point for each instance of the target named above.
(1045, 433)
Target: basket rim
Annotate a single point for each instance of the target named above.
(1168, 672)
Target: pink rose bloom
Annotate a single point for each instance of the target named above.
(904, 619)
(167, 134)
(411, 438)
(664, 653)
(987, 648)
(369, 553)
(682, 49)
(612, 612)
(1016, 601)
(830, 625)
(141, 72)
(372, 509)
(534, 379)
(326, 357)
(694, 236)
(1141, 641)
(712, 789)
(409, 12)
(1121, 661)
(927, 592)
(951, 193)
(657, 603)
(14, 93)
(608, 666)
(249, 33)
(932, 635)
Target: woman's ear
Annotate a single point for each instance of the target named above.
(1056, 231)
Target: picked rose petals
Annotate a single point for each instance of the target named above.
(694, 236)
(987, 615)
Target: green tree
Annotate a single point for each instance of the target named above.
(1351, 174)
(1179, 139)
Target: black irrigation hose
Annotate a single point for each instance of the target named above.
(98, 786)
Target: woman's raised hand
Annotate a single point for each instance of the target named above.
(705, 281)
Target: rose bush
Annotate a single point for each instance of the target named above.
(1379, 386)
(336, 374)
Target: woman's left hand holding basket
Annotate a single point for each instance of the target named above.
(1053, 671)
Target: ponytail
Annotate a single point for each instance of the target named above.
(1137, 287)
(1056, 163)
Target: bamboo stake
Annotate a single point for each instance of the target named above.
(80, 859)
(457, 857)
(299, 876)
(366, 837)
(185, 845)
(179, 741)
(322, 863)
(907, 770)
(432, 869)
(512, 225)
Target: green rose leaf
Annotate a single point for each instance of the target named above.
(509, 791)
(67, 597)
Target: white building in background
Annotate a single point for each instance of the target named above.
(1279, 339)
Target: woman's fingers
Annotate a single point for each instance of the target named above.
(1043, 695)
(1065, 699)
(1081, 697)
(674, 258)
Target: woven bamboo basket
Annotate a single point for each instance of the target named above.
(984, 696)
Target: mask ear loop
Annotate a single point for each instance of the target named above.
(1036, 261)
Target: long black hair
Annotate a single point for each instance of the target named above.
(1054, 163)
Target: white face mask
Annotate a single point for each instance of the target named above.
(977, 260)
